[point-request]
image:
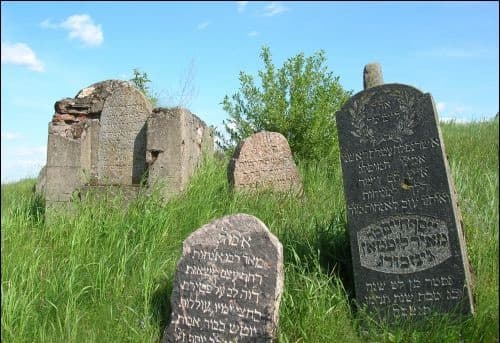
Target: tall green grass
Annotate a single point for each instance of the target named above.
(103, 272)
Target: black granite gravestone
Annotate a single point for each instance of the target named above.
(228, 284)
(407, 245)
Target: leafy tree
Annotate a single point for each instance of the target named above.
(141, 80)
(298, 100)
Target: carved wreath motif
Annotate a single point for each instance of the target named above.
(406, 123)
(362, 130)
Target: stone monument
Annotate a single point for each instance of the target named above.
(176, 142)
(228, 284)
(407, 243)
(96, 138)
(107, 137)
(264, 161)
(372, 75)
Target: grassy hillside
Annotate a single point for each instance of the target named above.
(104, 273)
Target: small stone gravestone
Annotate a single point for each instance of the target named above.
(264, 161)
(372, 75)
(408, 250)
(228, 284)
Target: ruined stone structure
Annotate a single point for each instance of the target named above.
(176, 141)
(98, 140)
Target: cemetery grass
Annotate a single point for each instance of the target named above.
(103, 272)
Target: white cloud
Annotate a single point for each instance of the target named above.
(80, 26)
(203, 25)
(20, 53)
(30, 151)
(46, 24)
(20, 169)
(22, 162)
(36, 152)
(452, 111)
(9, 136)
(440, 106)
(241, 6)
(274, 8)
(461, 109)
(252, 33)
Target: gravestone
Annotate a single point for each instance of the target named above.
(96, 138)
(264, 161)
(121, 152)
(408, 250)
(108, 141)
(372, 75)
(176, 142)
(228, 284)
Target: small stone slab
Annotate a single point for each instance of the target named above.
(264, 161)
(407, 244)
(176, 142)
(372, 75)
(228, 284)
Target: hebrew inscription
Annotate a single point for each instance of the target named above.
(403, 244)
(228, 284)
(407, 245)
(388, 116)
(264, 160)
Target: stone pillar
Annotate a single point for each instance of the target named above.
(372, 75)
(64, 167)
(176, 141)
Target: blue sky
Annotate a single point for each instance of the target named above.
(51, 50)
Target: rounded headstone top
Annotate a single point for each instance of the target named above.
(90, 100)
(245, 223)
(260, 143)
(228, 284)
(102, 88)
(264, 161)
(372, 75)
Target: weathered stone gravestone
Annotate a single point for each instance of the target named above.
(408, 250)
(372, 75)
(105, 138)
(176, 141)
(96, 138)
(228, 284)
(264, 161)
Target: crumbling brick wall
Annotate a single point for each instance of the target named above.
(98, 137)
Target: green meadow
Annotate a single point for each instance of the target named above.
(103, 272)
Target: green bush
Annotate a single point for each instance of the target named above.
(140, 81)
(298, 100)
